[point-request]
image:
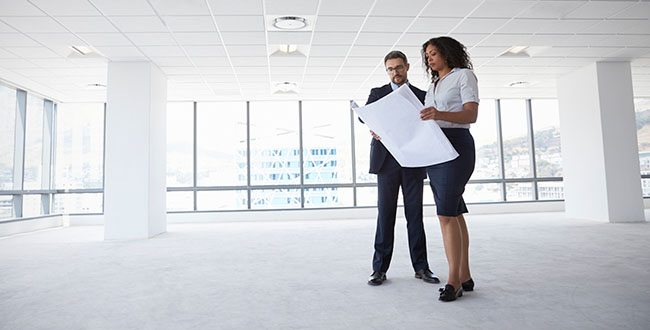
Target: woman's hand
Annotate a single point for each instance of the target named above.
(375, 135)
(429, 113)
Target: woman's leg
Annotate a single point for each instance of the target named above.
(452, 239)
(465, 274)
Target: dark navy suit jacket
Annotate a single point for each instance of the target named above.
(377, 150)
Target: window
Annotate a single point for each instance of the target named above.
(516, 147)
(79, 146)
(484, 131)
(180, 144)
(7, 131)
(546, 125)
(34, 144)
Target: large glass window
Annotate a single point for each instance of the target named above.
(327, 154)
(34, 143)
(7, 131)
(79, 146)
(484, 131)
(362, 140)
(516, 148)
(642, 108)
(546, 125)
(6, 206)
(274, 147)
(180, 144)
(221, 144)
(78, 203)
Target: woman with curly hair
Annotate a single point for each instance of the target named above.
(452, 101)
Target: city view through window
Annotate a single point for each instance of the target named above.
(268, 155)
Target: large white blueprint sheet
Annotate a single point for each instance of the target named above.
(412, 141)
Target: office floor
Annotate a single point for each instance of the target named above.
(532, 271)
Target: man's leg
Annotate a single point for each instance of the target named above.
(388, 181)
(412, 187)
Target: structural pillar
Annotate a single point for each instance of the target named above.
(600, 157)
(135, 160)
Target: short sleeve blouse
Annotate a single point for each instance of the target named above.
(456, 88)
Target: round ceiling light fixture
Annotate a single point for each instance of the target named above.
(290, 23)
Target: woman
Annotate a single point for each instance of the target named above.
(452, 101)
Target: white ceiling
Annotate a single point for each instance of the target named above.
(216, 49)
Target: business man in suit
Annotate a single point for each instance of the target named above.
(390, 176)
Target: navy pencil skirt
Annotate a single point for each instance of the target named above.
(448, 179)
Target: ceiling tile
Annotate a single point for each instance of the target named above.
(152, 39)
(240, 23)
(338, 24)
(613, 26)
(199, 50)
(120, 52)
(288, 37)
(19, 8)
(480, 25)
(598, 9)
(239, 7)
(333, 38)
(138, 23)
(67, 7)
(451, 8)
(551, 9)
(190, 23)
(124, 7)
(210, 61)
(87, 24)
(404, 8)
(247, 50)
(16, 63)
(345, 7)
(377, 38)
(636, 10)
(365, 51)
(105, 39)
(16, 39)
(327, 51)
(291, 7)
(386, 24)
(160, 51)
(198, 38)
(249, 61)
(434, 25)
(502, 8)
(243, 38)
(172, 61)
(32, 52)
(175, 7)
(34, 24)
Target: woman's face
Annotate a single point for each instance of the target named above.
(435, 61)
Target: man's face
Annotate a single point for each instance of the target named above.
(397, 70)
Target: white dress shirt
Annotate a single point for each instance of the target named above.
(449, 94)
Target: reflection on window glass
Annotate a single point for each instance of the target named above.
(32, 206)
(180, 144)
(7, 128)
(483, 193)
(367, 196)
(546, 125)
(484, 131)
(274, 143)
(362, 140)
(34, 143)
(645, 184)
(328, 197)
(78, 203)
(327, 154)
(79, 145)
(516, 148)
(180, 201)
(221, 144)
(550, 190)
(519, 191)
(275, 199)
(6, 204)
(642, 107)
(222, 200)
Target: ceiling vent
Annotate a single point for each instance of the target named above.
(289, 22)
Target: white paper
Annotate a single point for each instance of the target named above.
(413, 142)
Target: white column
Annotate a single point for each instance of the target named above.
(600, 154)
(134, 187)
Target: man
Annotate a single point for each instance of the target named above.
(390, 176)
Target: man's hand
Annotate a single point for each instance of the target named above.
(375, 135)
(429, 113)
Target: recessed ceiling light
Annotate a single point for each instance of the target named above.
(516, 51)
(288, 48)
(286, 87)
(83, 50)
(290, 23)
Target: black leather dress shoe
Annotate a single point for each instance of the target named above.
(377, 278)
(449, 293)
(427, 276)
(468, 285)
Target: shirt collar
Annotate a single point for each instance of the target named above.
(394, 85)
(450, 72)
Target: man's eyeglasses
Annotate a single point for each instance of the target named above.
(397, 68)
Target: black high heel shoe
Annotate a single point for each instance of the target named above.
(449, 294)
(468, 285)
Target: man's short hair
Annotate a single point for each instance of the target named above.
(395, 54)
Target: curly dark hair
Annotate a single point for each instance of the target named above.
(454, 53)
